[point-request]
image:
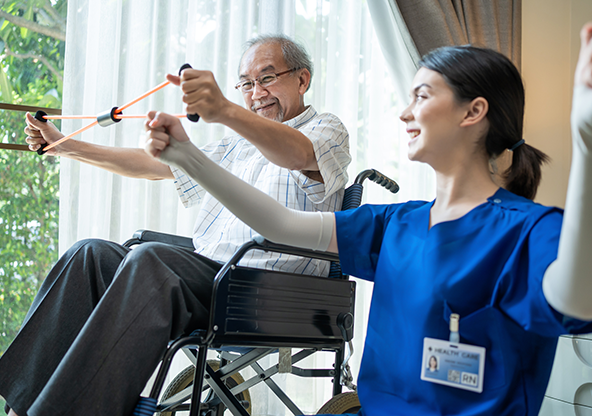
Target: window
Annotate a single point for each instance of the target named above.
(116, 57)
(32, 39)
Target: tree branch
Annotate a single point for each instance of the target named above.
(41, 58)
(31, 189)
(54, 32)
(43, 18)
(55, 15)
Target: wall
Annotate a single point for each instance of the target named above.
(550, 46)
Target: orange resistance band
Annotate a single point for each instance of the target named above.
(141, 97)
(117, 115)
(69, 136)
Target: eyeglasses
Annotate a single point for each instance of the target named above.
(264, 80)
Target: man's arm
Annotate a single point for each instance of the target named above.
(134, 163)
(280, 144)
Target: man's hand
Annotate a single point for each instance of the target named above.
(202, 95)
(584, 67)
(160, 127)
(39, 133)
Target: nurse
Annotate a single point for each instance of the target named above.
(491, 255)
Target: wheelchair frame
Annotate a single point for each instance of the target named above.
(265, 310)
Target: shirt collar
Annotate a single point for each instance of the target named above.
(301, 118)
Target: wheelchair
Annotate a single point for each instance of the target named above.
(255, 313)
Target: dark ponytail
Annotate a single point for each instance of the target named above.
(524, 174)
(473, 72)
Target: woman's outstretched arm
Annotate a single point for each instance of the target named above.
(168, 141)
(567, 284)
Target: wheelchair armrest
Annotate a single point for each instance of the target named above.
(144, 236)
(263, 244)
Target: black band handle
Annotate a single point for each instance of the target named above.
(191, 117)
(39, 116)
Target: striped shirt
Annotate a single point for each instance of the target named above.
(218, 233)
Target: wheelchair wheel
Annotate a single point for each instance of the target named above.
(185, 378)
(341, 403)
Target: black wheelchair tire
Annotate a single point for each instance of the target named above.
(341, 403)
(185, 379)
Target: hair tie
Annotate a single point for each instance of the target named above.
(516, 146)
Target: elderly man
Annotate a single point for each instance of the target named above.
(105, 314)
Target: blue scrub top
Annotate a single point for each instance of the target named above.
(487, 266)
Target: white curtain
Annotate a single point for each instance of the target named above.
(116, 50)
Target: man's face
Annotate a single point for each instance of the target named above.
(280, 101)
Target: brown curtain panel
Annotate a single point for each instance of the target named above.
(495, 24)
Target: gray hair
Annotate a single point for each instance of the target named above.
(294, 54)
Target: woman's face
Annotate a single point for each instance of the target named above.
(433, 362)
(433, 119)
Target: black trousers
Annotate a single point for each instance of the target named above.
(100, 324)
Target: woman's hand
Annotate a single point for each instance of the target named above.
(160, 127)
(583, 73)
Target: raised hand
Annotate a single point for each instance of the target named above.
(202, 94)
(583, 73)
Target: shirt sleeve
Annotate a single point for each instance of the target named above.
(359, 239)
(190, 192)
(330, 141)
(524, 300)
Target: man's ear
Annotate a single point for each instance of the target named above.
(476, 111)
(304, 80)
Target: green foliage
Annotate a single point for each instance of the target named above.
(5, 87)
(28, 229)
(26, 72)
(31, 68)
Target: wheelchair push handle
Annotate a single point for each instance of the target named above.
(379, 178)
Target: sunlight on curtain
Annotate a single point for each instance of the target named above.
(116, 50)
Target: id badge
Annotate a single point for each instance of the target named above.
(456, 365)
